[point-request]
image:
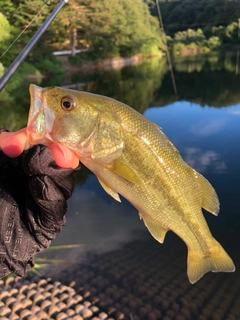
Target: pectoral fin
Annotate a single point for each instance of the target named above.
(109, 190)
(210, 200)
(156, 231)
(125, 172)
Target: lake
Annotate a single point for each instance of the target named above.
(130, 274)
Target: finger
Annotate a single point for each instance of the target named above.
(63, 156)
(13, 143)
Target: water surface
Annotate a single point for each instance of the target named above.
(119, 262)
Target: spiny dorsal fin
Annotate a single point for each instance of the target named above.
(157, 231)
(210, 200)
(109, 190)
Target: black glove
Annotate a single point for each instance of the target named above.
(33, 194)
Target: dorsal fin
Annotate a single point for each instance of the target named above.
(210, 200)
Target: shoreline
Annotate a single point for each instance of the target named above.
(104, 65)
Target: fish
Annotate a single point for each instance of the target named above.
(132, 157)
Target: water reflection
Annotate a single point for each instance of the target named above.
(128, 273)
(135, 85)
(107, 225)
(209, 80)
(120, 265)
(208, 128)
(235, 112)
(203, 161)
(214, 61)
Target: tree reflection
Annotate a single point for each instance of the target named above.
(208, 81)
(205, 80)
(134, 85)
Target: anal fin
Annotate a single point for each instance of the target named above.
(157, 231)
(109, 190)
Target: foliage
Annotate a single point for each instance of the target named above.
(124, 28)
(178, 48)
(106, 28)
(1, 69)
(183, 14)
(205, 24)
(193, 42)
(190, 36)
(228, 34)
(5, 28)
(213, 42)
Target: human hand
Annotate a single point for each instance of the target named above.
(13, 144)
(33, 194)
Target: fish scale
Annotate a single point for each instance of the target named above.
(132, 157)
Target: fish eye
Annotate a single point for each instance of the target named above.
(67, 104)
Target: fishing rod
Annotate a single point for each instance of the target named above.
(166, 44)
(22, 55)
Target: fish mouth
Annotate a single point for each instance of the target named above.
(40, 118)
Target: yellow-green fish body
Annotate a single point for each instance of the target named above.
(132, 157)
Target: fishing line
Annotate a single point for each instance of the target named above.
(166, 44)
(45, 4)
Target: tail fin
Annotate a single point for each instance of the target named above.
(217, 260)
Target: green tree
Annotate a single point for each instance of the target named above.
(8, 8)
(5, 28)
(106, 28)
(214, 42)
(110, 28)
(184, 14)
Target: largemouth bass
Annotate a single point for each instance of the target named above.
(132, 157)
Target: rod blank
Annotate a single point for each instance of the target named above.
(20, 58)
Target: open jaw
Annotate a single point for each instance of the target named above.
(40, 118)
